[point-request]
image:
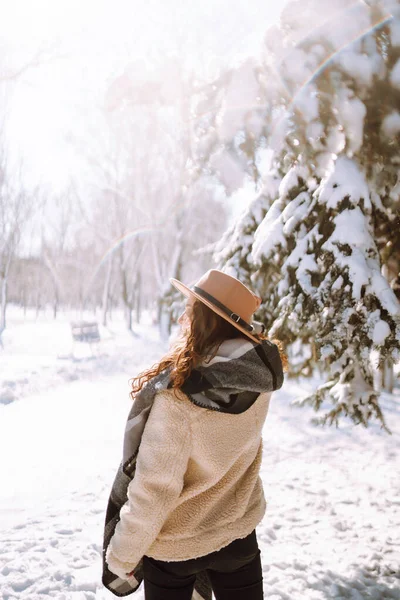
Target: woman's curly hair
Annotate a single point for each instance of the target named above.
(200, 338)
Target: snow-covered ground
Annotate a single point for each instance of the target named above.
(332, 525)
(40, 353)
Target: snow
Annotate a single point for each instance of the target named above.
(56, 359)
(385, 294)
(381, 332)
(345, 179)
(295, 66)
(395, 191)
(307, 103)
(358, 269)
(279, 128)
(392, 8)
(230, 171)
(338, 284)
(351, 226)
(241, 97)
(391, 125)
(314, 133)
(395, 75)
(270, 188)
(351, 113)
(345, 29)
(295, 212)
(291, 180)
(395, 33)
(357, 66)
(343, 390)
(324, 163)
(307, 265)
(331, 526)
(269, 233)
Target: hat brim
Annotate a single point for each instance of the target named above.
(184, 289)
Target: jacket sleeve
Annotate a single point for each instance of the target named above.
(161, 465)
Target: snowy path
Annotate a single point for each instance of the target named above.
(331, 529)
(333, 520)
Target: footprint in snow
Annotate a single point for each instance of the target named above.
(65, 531)
(21, 585)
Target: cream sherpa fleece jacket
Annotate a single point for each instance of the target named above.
(197, 484)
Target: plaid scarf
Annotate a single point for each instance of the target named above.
(231, 382)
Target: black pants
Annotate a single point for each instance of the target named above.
(234, 571)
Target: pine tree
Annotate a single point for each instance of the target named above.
(316, 247)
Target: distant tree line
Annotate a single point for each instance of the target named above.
(143, 211)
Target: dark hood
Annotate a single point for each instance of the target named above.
(232, 380)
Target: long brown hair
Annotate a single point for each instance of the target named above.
(202, 336)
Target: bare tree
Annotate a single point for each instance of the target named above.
(58, 220)
(17, 205)
(16, 208)
(147, 185)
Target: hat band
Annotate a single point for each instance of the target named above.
(235, 317)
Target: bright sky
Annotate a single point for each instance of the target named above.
(95, 39)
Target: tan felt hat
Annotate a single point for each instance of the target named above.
(227, 296)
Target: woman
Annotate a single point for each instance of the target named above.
(196, 496)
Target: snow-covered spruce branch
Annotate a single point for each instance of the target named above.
(321, 245)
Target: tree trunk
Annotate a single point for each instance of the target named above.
(3, 303)
(388, 376)
(164, 322)
(127, 299)
(38, 304)
(55, 306)
(164, 312)
(138, 298)
(129, 318)
(3, 291)
(128, 312)
(55, 280)
(106, 293)
(3, 307)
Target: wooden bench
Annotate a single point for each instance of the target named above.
(85, 331)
